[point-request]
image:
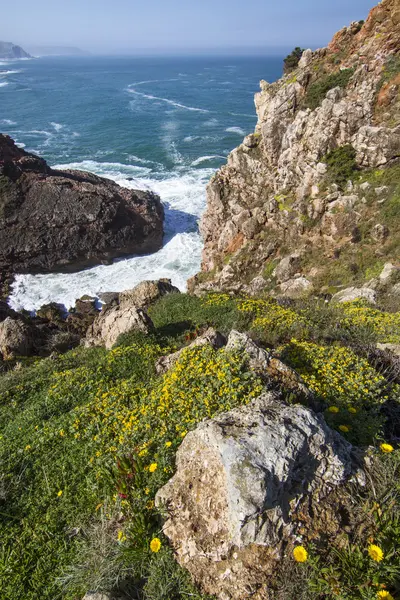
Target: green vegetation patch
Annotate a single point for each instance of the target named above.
(86, 441)
(350, 387)
(89, 437)
(318, 90)
(292, 60)
(341, 163)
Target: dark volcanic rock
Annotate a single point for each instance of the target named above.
(67, 220)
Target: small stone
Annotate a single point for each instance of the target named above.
(379, 232)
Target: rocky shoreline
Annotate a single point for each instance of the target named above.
(68, 220)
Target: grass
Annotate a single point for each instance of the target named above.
(87, 438)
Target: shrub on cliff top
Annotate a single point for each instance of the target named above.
(292, 60)
(318, 90)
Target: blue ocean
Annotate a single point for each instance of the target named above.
(164, 124)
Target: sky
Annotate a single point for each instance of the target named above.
(125, 26)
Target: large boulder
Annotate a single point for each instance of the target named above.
(113, 322)
(147, 292)
(65, 220)
(16, 338)
(352, 293)
(239, 481)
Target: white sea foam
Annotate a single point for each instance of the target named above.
(237, 130)
(57, 126)
(183, 195)
(5, 73)
(243, 115)
(167, 101)
(7, 122)
(3, 83)
(210, 123)
(202, 159)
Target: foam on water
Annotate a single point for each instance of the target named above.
(183, 196)
(237, 130)
(167, 101)
(5, 73)
(3, 83)
(202, 159)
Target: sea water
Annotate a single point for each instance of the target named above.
(162, 124)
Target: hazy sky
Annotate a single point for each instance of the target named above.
(126, 25)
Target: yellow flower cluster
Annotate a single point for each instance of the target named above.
(385, 325)
(216, 299)
(122, 414)
(269, 314)
(336, 374)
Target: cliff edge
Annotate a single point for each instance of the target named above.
(317, 185)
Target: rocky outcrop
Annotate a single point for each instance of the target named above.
(125, 312)
(113, 322)
(351, 294)
(8, 50)
(66, 220)
(147, 292)
(16, 338)
(241, 480)
(284, 195)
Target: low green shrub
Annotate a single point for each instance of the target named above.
(342, 166)
(318, 90)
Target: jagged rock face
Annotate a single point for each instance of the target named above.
(274, 191)
(66, 220)
(240, 478)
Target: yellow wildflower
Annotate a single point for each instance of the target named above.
(59, 493)
(300, 554)
(155, 545)
(352, 410)
(385, 594)
(152, 467)
(386, 448)
(375, 553)
(28, 447)
(168, 444)
(121, 536)
(344, 428)
(333, 409)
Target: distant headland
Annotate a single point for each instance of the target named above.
(8, 50)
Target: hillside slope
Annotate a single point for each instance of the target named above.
(319, 177)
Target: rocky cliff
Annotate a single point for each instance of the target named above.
(318, 183)
(66, 220)
(8, 50)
